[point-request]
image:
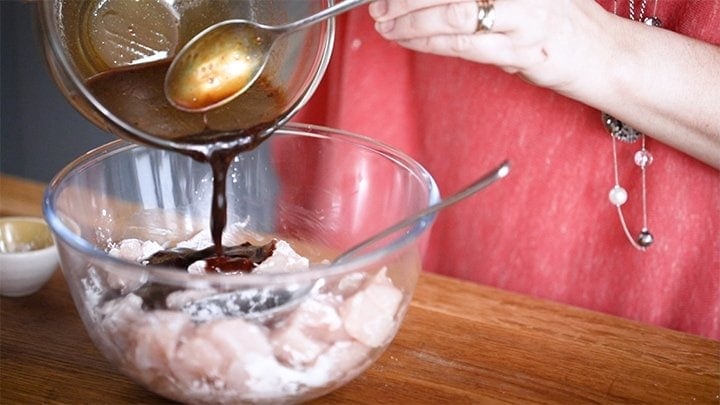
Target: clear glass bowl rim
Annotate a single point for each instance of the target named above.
(172, 276)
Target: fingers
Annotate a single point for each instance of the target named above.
(407, 19)
(383, 10)
(496, 49)
(453, 18)
(449, 28)
(538, 39)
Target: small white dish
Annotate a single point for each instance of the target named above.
(28, 257)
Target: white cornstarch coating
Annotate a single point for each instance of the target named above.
(325, 339)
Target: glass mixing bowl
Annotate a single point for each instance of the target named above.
(109, 58)
(319, 190)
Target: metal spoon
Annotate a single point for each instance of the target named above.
(479, 184)
(265, 303)
(225, 59)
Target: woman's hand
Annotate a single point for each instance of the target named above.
(546, 42)
(660, 82)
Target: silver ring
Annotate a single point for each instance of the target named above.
(486, 15)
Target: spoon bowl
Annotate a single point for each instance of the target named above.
(226, 59)
(211, 70)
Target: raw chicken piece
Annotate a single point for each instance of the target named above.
(155, 339)
(369, 315)
(236, 338)
(200, 241)
(151, 355)
(284, 259)
(308, 332)
(199, 365)
(295, 348)
(351, 283)
(246, 351)
(118, 316)
(132, 250)
(319, 318)
(199, 267)
(344, 360)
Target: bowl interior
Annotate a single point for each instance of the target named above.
(110, 61)
(24, 234)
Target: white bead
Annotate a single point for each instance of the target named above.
(643, 158)
(618, 196)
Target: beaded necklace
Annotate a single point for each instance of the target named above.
(627, 134)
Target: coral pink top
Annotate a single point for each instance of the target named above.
(548, 229)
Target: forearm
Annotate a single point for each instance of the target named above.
(664, 84)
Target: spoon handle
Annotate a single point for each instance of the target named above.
(479, 184)
(324, 14)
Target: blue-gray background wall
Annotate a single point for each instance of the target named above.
(40, 132)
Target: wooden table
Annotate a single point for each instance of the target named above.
(460, 343)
